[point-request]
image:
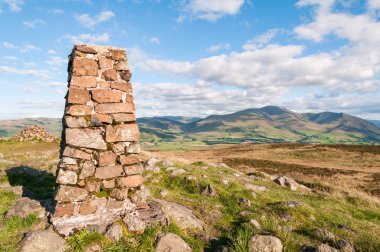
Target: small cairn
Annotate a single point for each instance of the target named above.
(33, 134)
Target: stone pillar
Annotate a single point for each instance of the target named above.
(99, 167)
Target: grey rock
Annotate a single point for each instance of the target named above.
(325, 248)
(167, 163)
(255, 223)
(177, 172)
(345, 246)
(24, 207)
(264, 243)
(255, 188)
(182, 216)
(43, 241)
(225, 182)
(114, 232)
(164, 193)
(244, 202)
(324, 235)
(170, 242)
(134, 222)
(140, 196)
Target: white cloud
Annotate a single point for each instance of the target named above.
(374, 4)
(14, 5)
(212, 10)
(8, 45)
(56, 61)
(57, 84)
(33, 23)
(262, 40)
(88, 38)
(28, 48)
(154, 40)
(56, 11)
(51, 52)
(90, 22)
(218, 47)
(32, 72)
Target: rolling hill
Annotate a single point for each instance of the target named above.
(261, 125)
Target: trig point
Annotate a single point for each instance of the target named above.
(99, 171)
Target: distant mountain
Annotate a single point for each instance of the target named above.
(376, 122)
(261, 125)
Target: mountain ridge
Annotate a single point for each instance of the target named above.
(260, 125)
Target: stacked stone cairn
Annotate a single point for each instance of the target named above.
(99, 171)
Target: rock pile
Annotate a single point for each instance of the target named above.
(100, 170)
(35, 133)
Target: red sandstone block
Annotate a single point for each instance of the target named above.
(107, 158)
(121, 66)
(106, 95)
(104, 84)
(85, 67)
(113, 108)
(122, 133)
(124, 117)
(123, 86)
(109, 75)
(70, 194)
(133, 169)
(64, 210)
(130, 159)
(130, 181)
(83, 81)
(75, 122)
(88, 207)
(120, 194)
(118, 54)
(85, 49)
(88, 169)
(108, 172)
(133, 148)
(105, 63)
(109, 183)
(78, 96)
(76, 153)
(93, 186)
(100, 119)
(79, 110)
(119, 148)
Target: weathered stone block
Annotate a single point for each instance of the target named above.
(130, 159)
(64, 210)
(88, 207)
(76, 153)
(75, 122)
(123, 86)
(106, 95)
(105, 63)
(67, 177)
(107, 158)
(85, 49)
(70, 194)
(126, 75)
(133, 169)
(118, 54)
(124, 117)
(88, 169)
(108, 172)
(83, 81)
(100, 119)
(86, 138)
(120, 194)
(130, 181)
(85, 67)
(78, 96)
(108, 183)
(79, 110)
(133, 148)
(93, 186)
(122, 133)
(119, 148)
(113, 108)
(109, 75)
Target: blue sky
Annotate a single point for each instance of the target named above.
(197, 57)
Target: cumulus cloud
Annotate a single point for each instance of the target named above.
(218, 47)
(33, 23)
(56, 11)
(90, 22)
(14, 5)
(154, 40)
(32, 72)
(28, 48)
(88, 38)
(8, 45)
(211, 10)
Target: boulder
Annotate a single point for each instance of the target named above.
(177, 172)
(255, 188)
(43, 241)
(264, 243)
(255, 223)
(345, 246)
(324, 235)
(182, 216)
(171, 242)
(325, 248)
(24, 207)
(114, 232)
(134, 222)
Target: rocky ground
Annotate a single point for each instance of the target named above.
(197, 206)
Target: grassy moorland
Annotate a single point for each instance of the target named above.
(343, 201)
